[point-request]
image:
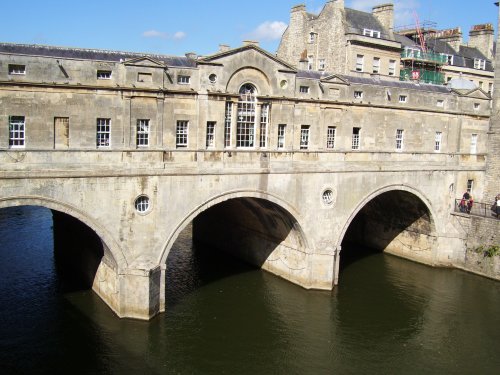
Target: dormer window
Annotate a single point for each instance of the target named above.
(104, 74)
(310, 62)
(358, 94)
(449, 59)
(479, 64)
(321, 64)
(183, 80)
(17, 69)
(371, 33)
(144, 77)
(304, 89)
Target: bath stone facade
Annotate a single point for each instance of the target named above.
(348, 41)
(279, 166)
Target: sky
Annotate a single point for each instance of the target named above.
(177, 27)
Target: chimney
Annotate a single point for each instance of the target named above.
(482, 38)
(384, 13)
(192, 55)
(338, 3)
(224, 47)
(298, 8)
(451, 36)
(250, 43)
(303, 60)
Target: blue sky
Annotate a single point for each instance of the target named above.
(174, 28)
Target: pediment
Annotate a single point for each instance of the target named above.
(144, 61)
(335, 79)
(476, 93)
(221, 57)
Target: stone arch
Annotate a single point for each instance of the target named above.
(113, 255)
(369, 197)
(252, 76)
(282, 204)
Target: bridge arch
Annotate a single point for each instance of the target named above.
(398, 219)
(113, 255)
(285, 209)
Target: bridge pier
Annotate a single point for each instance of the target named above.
(136, 293)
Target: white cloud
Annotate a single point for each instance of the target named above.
(179, 35)
(269, 30)
(164, 35)
(155, 34)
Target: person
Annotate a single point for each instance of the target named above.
(470, 202)
(497, 201)
(462, 205)
(466, 196)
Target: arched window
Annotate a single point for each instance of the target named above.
(245, 126)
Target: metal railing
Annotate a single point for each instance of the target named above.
(426, 56)
(476, 209)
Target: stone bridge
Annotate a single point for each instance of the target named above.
(286, 212)
(277, 166)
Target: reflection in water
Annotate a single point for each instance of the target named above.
(387, 316)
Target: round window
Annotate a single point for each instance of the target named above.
(142, 204)
(284, 84)
(328, 197)
(212, 78)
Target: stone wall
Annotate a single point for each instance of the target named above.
(479, 235)
(493, 162)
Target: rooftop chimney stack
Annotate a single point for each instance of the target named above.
(384, 13)
(482, 38)
(250, 43)
(451, 36)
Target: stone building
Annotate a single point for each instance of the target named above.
(347, 41)
(447, 57)
(342, 40)
(276, 164)
(66, 98)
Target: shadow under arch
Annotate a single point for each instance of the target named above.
(112, 254)
(397, 219)
(285, 211)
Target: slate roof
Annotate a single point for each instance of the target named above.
(405, 41)
(310, 74)
(91, 54)
(465, 56)
(358, 20)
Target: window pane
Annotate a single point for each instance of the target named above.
(181, 134)
(143, 133)
(304, 137)
(330, 137)
(16, 131)
(245, 126)
(103, 136)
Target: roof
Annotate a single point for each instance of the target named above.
(254, 47)
(91, 54)
(405, 41)
(463, 58)
(310, 74)
(358, 20)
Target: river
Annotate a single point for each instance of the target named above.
(388, 316)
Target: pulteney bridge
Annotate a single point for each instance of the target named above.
(263, 169)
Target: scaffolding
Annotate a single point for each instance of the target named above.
(420, 63)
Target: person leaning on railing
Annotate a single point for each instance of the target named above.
(496, 206)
